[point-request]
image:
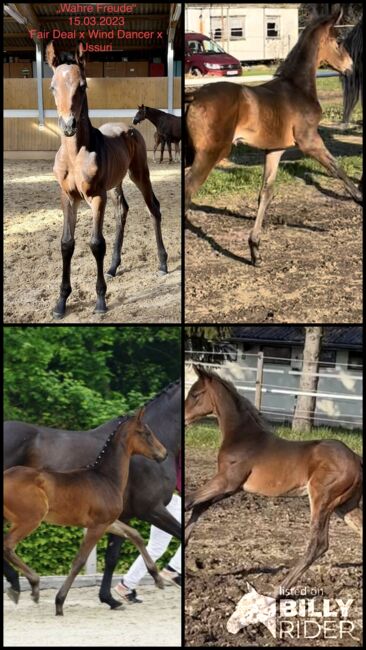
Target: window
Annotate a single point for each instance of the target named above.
(218, 34)
(237, 27)
(355, 361)
(327, 359)
(280, 354)
(273, 27)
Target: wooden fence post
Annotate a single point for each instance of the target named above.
(259, 381)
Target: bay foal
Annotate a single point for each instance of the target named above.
(252, 458)
(272, 116)
(90, 162)
(91, 497)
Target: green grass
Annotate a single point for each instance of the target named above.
(247, 178)
(206, 435)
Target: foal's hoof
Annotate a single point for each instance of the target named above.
(159, 582)
(35, 597)
(110, 274)
(100, 310)
(13, 594)
(57, 315)
(163, 272)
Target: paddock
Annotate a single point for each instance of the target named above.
(87, 623)
(251, 538)
(32, 260)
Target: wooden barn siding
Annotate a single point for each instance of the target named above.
(23, 134)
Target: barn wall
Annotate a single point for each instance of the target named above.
(24, 134)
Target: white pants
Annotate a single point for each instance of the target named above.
(158, 543)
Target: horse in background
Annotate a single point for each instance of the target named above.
(169, 127)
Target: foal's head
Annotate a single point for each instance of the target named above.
(140, 115)
(139, 439)
(331, 49)
(68, 86)
(199, 401)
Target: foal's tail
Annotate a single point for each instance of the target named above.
(189, 150)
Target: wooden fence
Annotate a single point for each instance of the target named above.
(105, 98)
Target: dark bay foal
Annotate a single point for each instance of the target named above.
(168, 127)
(272, 116)
(252, 458)
(89, 163)
(92, 497)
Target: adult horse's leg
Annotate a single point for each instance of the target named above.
(312, 145)
(140, 175)
(111, 558)
(91, 538)
(162, 149)
(12, 576)
(97, 245)
(69, 206)
(161, 518)
(169, 145)
(120, 212)
(271, 162)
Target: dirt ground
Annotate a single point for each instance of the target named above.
(311, 251)
(32, 230)
(86, 622)
(250, 538)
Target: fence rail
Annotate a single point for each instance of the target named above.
(263, 390)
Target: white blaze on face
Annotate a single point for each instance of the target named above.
(253, 608)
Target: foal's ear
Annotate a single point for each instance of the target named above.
(335, 18)
(140, 414)
(197, 370)
(52, 57)
(80, 54)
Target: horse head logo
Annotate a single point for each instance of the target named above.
(253, 608)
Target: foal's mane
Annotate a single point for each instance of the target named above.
(242, 403)
(295, 58)
(99, 458)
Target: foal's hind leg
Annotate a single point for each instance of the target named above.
(325, 495)
(69, 206)
(203, 163)
(12, 576)
(140, 175)
(271, 162)
(120, 211)
(312, 145)
(18, 531)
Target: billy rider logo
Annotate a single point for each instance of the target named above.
(303, 618)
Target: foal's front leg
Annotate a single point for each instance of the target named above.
(70, 206)
(97, 245)
(312, 145)
(217, 488)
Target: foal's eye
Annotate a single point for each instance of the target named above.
(52, 88)
(83, 88)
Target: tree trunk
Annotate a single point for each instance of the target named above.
(305, 404)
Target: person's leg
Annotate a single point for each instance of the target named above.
(157, 545)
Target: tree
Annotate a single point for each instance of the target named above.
(305, 404)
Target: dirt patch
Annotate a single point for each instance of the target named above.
(250, 538)
(86, 622)
(32, 229)
(311, 251)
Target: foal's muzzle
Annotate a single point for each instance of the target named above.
(68, 127)
(134, 121)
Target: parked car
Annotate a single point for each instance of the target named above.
(204, 56)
